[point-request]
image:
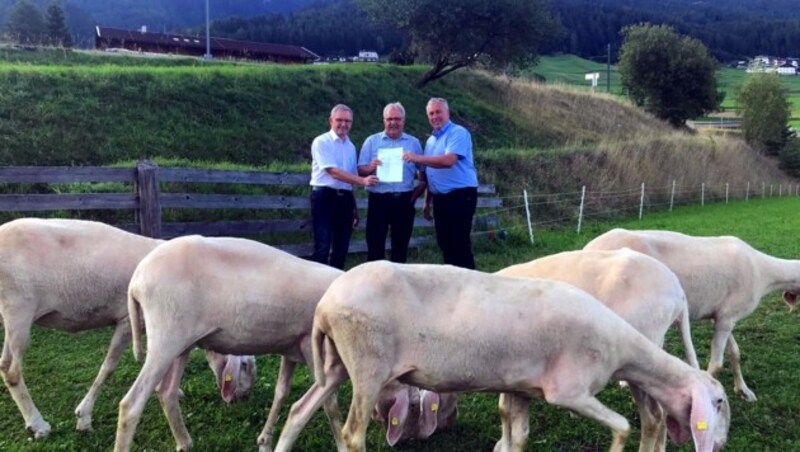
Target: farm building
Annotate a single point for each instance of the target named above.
(145, 41)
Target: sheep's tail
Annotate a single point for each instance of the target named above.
(134, 314)
(317, 343)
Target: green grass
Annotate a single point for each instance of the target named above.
(571, 69)
(60, 366)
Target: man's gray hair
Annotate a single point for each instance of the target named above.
(340, 107)
(396, 105)
(439, 100)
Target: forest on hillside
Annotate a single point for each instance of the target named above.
(731, 29)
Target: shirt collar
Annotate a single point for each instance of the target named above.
(441, 131)
(335, 137)
(384, 136)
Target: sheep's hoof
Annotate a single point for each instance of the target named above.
(747, 395)
(40, 429)
(264, 448)
(84, 424)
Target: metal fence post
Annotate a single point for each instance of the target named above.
(641, 202)
(580, 211)
(703, 194)
(747, 193)
(672, 196)
(726, 192)
(147, 189)
(528, 214)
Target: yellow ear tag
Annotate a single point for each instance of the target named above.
(228, 377)
(702, 425)
(434, 407)
(395, 421)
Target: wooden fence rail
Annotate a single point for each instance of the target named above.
(147, 200)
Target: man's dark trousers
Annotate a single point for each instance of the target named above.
(332, 218)
(452, 216)
(385, 211)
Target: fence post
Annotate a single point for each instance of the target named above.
(726, 192)
(528, 214)
(702, 194)
(672, 196)
(641, 202)
(763, 190)
(747, 193)
(580, 211)
(771, 187)
(780, 190)
(147, 189)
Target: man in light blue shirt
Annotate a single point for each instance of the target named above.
(333, 174)
(390, 204)
(452, 184)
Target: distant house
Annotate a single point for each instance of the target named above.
(787, 69)
(366, 55)
(145, 41)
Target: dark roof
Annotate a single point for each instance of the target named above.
(220, 44)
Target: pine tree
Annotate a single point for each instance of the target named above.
(25, 23)
(57, 31)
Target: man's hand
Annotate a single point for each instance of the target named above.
(426, 212)
(373, 165)
(411, 157)
(369, 181)
(356, 217)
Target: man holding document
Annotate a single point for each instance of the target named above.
(391, 201)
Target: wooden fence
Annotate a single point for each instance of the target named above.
(147, 200)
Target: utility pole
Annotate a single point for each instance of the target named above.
(208, 56)
(608, 68)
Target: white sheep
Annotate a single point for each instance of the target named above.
(70, 275)
(724, 279)
(641, 290)
(224, 294)
(444, 328)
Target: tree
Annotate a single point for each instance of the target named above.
(764, 107)
(451, 34)
(25, 23)
(57, 31)
(670, 75)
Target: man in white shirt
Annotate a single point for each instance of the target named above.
(333, 174)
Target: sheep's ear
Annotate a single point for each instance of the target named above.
(790, 298)
(396, 419)
(703, 419)
(429, 413)
(229, 377)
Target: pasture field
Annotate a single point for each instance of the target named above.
(570, 70)
(60, 367)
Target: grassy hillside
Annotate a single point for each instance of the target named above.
(73, 108)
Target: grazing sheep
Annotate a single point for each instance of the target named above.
(70, 275)
(641, 290)
(223, 294)
(412, 413)
(724, 279)
(444, 328)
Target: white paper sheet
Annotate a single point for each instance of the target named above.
(391, 168)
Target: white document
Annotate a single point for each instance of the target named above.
(391, 168)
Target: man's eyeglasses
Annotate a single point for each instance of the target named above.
(393, 119)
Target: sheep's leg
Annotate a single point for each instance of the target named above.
(519, 415)
(17, 338)
(504, 405)
(119, 341)
(168, 392)
(282, 388)
(303, 409)
(365, 396)
(590, 407)
(652, 418)
(734, 356)
(686, 338)
(158, 361)
(331, 407)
